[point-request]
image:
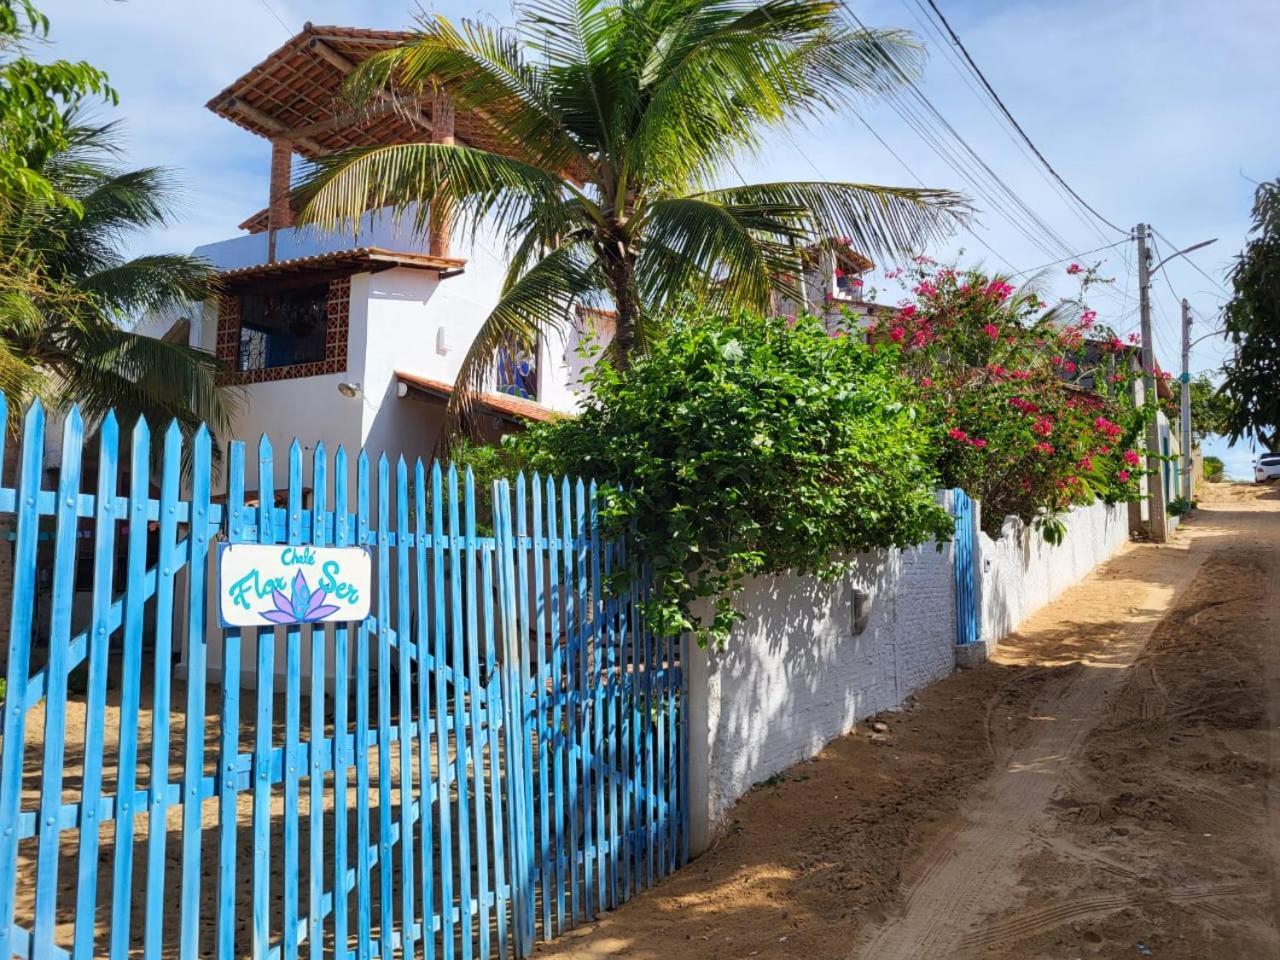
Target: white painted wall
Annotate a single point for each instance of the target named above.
(1020, 573)
(795, 676)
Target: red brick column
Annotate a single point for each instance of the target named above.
(279, 212)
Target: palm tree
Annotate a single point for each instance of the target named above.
(68, 296)
(617, 117)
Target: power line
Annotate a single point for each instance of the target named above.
(1017, 126)
(966, 75)
(1195, 266)
(1074, 256)
(279, 19)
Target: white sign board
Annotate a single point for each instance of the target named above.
(266, 585)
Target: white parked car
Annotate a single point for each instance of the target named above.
(1267, 468)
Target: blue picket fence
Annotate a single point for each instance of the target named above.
(493, 756)
(968, 615)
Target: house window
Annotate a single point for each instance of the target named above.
(517, 372)
(849, 283)
(284, 328)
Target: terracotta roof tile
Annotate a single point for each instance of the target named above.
(500, 404)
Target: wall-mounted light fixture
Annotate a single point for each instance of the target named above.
(350, 390)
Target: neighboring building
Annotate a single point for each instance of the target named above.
(833, 286)
(357, 337)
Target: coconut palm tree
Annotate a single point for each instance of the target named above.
(617, 120)
(68, 296)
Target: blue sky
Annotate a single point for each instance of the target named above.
(1154, 110)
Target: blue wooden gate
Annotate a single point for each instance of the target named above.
(494, 755)
(967, 621)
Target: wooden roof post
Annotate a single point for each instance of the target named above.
(440, 228)
(279, 211)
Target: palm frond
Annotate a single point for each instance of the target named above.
(734, 253)
(484, 72)
(879, 221)
(477, 185)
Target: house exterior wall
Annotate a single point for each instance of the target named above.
(795, 674)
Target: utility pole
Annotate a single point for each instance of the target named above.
(1157, 527)
(1185, 378)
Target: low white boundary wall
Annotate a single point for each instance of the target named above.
(797, 673)
(1020, 573)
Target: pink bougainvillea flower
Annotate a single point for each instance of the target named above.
(926, 381)
(1043, 426)
(1085, 463)
(978, 442)
(1123, 476)
(1131, 458)
(955, 433)
(897, 334)
(1069, 366)
(1074, 269)
(907, 312)
(1088, 318)
(992, 331)
(1045, 448)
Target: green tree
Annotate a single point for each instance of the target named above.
(1252, 320)
(68, 295)
(1210, 409)
(744, 445)
(37, 101)
(618, 118)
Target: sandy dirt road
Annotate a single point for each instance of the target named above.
(1107, 788)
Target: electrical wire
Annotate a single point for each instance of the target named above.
(279, 19)
(1017, 126)
(966, 75)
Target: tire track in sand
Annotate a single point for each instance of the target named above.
(979, 865)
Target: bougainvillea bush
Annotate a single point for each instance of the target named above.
(1031, 407)
(744, 445)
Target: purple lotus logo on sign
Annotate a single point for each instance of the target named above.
(262, 586)
(303, 605)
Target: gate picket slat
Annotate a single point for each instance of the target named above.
(557, 735)
(19, 659)
(476, 686)
(582, 609)
(385, 901)
(406, 709)
(440, 676)
(542, 637)
(426, 790)
(626, 647)
(96, 703)
(457, 666)
(157, 830)
(598, 679)
(573, 746)
(341, 758)
(130, 690)
(522, 711)
(315, 775)
(55, 724)
(363, 866)
(292, 721)
(193, 730)
(493, 722)
(609, 631)
(230, 720)
(265, 683)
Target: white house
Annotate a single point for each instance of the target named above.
(357, 337)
